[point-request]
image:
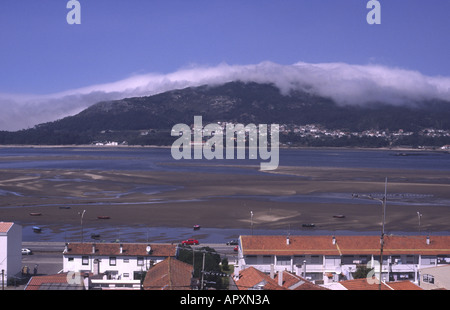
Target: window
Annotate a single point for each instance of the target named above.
(140, 261)
(316, 259)
(251, 259)
(298, 259)
(428, 278)
(283, 260)
(126, 260)
(85, 260)
(112, 261)
(267, 259)
(70, 259)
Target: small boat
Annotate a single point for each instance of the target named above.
(95, 236)
(196, 227)
(309, 225)
(103, 217)
(35, 214)
(64, 207)
(339, 216)
(37, 229)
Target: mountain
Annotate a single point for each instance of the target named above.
(148, 120)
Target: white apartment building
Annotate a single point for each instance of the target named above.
(10, 251)
(114, 265)
(326, 259)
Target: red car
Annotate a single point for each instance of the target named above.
(189, 241)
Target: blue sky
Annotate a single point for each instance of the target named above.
(42, 54)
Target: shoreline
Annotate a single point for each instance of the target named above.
(406, 149)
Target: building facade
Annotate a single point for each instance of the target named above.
(10, 251)
(114, 265)
(326, 259)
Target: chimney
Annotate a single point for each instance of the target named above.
(280, 278)
(66, 247)
(304, 269)
(288, 241)
(334, 240)
(428, 239)
(93, 248)
(272, 271)
(121, 248)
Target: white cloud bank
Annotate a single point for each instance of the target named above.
(345, 83)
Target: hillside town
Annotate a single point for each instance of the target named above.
(300, 262)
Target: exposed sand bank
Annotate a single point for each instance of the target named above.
(176, 199)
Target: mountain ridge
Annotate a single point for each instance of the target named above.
(235, 102)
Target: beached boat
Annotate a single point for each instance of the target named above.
(309, 225)
(339, 216)
(95, 236)
(196, 227)
(37, 229)
(35, 214)
(103, 217)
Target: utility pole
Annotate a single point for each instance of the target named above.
(382, 231)
(383, 219)
(203, 270)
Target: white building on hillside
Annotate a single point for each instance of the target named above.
(10, 251)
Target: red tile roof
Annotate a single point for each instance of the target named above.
(344, 245)
(170, 274)
(5, 226)
(133, 249)
(58, 281)
(295, 282)
(250, 277)
(363, 284)
(404, 285)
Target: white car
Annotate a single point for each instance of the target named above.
(26, 252)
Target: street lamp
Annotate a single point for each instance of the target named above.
(251, 221)
(419, 215)
(81, 222)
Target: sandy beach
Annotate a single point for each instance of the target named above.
(276, 198)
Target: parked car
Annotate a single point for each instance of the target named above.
(236, 248)
(190, 242)
(232, 242)
(26, 251)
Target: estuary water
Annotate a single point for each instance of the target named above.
(160, 159)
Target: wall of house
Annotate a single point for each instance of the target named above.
(335, 268)
(11, 252)
(119, 267)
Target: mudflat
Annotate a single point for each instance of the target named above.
(284, 198)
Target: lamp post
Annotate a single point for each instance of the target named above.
(81, 222)
(383, 218)
(419, 215)
(251, 221)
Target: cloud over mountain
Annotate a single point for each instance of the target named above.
(344, 83)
